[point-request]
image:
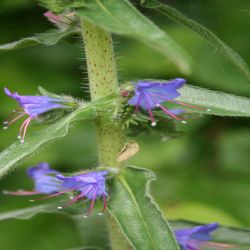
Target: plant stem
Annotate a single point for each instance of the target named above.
(103, 82)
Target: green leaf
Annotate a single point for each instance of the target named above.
(136, 213)
(121, 17)
(36, 140)
(221, 104)
(28, 213)
(209, 36)
(236, 236)
(49, 38)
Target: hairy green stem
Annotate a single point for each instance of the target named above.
(103, 82)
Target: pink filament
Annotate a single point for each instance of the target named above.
(149, 110)
(59, 193)
(21, 193)
(77, 197)
(17, 118)
(92, 203)
(25, 125)
(169, 113)
(178, 102)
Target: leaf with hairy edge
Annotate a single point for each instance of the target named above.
(49, 38)
(239, 237)
(121, 17)
(136, 213)
(209, 36)
(35, 140)
(221, 104)
(28, 213)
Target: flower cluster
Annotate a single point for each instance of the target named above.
(89, 185)
(198, 237)
(150, 95)
(34, 107)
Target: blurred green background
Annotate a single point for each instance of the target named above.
(203, 175)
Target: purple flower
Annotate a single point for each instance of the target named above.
(89, 185)
(44, 178)
(149, 95)
(197, 237)
(33, 106)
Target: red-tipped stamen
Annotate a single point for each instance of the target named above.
(21, 129)
(168, 112)
(92, 204)
(179, 102)
(16, 118)
(79, 196)
(153, 123)
(25, 128)
(21, 193)
(59, 193)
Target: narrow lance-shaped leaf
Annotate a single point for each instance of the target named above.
(136, 213)
(209, 36)
(34, 141)
(49, 38)
(221, 104)
(121, 17)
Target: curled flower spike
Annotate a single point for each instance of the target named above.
(60, 20)
(197, 237)
(44, 178)
(89, 185)
(33, 107)
(53, 18)
(149, 95)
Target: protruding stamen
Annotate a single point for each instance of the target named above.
(168, 112)
(92, 203)
(153, 123)
(25, 129)
(21, 192)
(17, 118)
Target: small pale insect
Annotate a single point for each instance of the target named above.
(129, 150)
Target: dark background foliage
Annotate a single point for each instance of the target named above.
(203, 174)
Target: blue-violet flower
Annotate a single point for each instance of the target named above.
(197, 237)
(44, 178)
(33, 106)
(89, 185)
(149, 95)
